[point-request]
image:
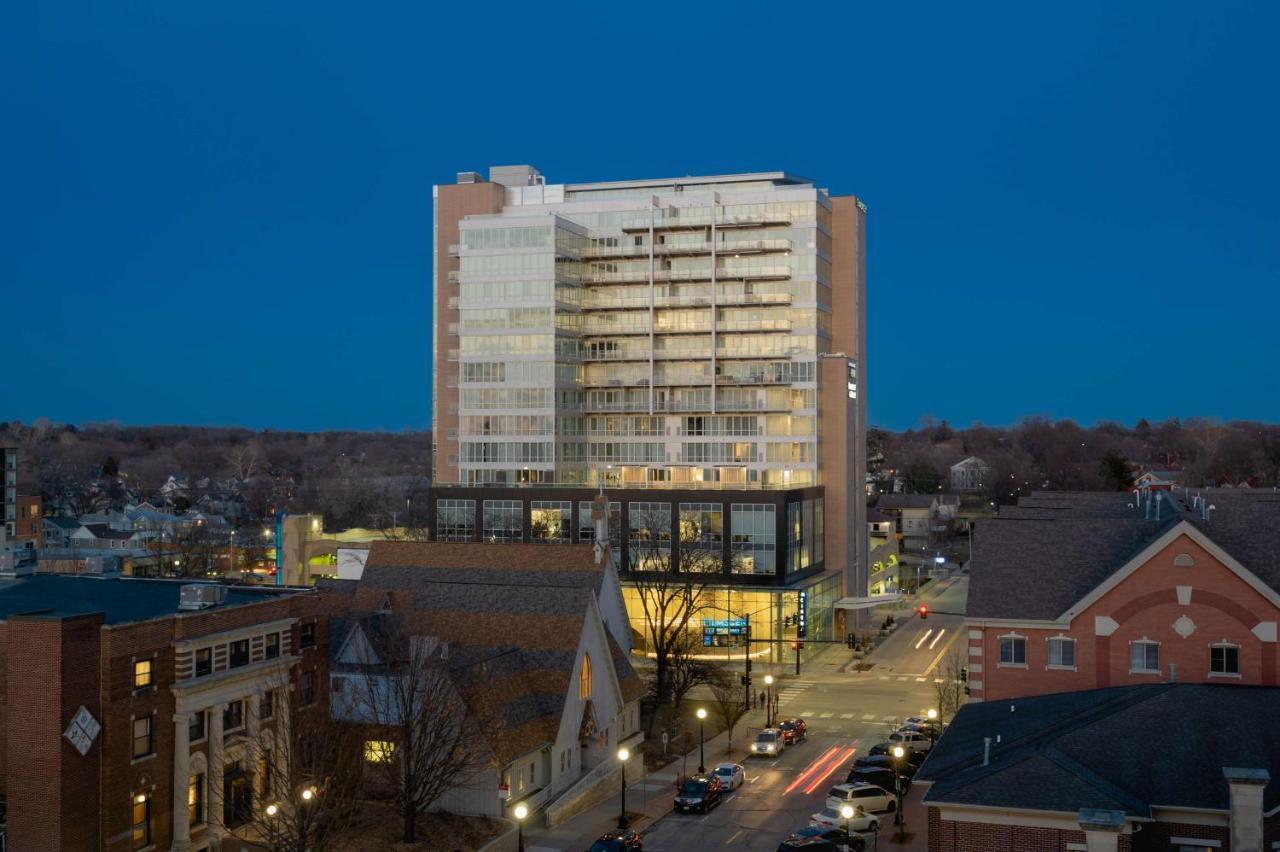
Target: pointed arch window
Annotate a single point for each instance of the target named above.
(584, 677)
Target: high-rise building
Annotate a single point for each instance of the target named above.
(693, 335)
(8, 524)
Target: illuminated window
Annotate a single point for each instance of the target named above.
(584, 678)
(141, 674)
(141, 820)
(378, 751)
(195, 799)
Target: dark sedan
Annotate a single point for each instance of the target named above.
(813, 839)
(698, 794)
(621, 840)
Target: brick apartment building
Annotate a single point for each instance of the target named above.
(124, 718)
(1087, 591)
(1157, 767)
(28, 528)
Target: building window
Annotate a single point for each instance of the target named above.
(306, 687)
(1062, 653)
(379, 751)
(649, 536)
(271, 646)
(233, 717)
(239, 653)
(753, 538)
(819, 530)
(1013, 650)
(1224, 659)
(195, 727)
(141, 674)
(307, 635)
(701, 536)
(455, 520)
(1144, 656)
(195, 799)
(584, 677)
(141, 820)
(204, 661)
(267, 704)
(143, 736)
(551, 521)
(796, 558)
(503, 520)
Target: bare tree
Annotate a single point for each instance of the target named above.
(687, 667)
(406, 694)
(306, 776)
(727, 696)
(244, 459)
(671, 592)
(948, 688)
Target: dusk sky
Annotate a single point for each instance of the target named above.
(220, 213)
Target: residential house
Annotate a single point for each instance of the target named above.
(969, 474)
(58, 531)
(917, 514)
(528, 651)
(1159, 480)
(96, 536)
(1073, 591)
(1156, 767)
(28, 525)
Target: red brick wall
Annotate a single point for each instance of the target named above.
(1156, 837)
(52, 790)
(30, 524)
(1145, 604)
(953, 836)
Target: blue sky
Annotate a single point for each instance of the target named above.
(220, 213)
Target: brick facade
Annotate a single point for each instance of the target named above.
(51, 665)
(1207, 597)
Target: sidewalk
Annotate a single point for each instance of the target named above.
(649, 798)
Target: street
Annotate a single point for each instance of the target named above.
(847, 713)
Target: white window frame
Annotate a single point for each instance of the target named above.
(1049, 640)
(1000, 651)
(1144, 641)
(1225, 643)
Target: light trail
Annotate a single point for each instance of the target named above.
(835, 763)
(924, 638)
(803, 777)
(936, 638)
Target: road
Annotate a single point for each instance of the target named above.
(847, 712)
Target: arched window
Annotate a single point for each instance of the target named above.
(584, 677)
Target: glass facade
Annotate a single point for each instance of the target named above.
(754, 545)
(551, 521)
(455, 520)
(503, 520)
(696, 322)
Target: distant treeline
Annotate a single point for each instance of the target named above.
(1038, 453)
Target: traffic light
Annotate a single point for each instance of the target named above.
(849, 640)
(923, 609)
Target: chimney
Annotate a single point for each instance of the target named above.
(1246, 786)
(600, 515)
(1101, 829)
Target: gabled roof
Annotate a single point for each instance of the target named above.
(63, 523)
(971, 461)
(1129, 748)
(904, 501)
(1035, 560)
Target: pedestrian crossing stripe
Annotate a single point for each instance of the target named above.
(846, 715)
(867, 717)
(884, 677)
(919, 680)
(825, 715)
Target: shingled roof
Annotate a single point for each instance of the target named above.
(1128, 748)
(513, 616)
(1036, 559)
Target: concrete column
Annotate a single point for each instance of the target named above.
(216, 763)
(1246, 786)
(181, 777)
(1101, 829)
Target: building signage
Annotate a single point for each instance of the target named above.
(714, 627)
(83, 730)
(802, 616)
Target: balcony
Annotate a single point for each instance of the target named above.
(691, 218)
(690, 249)
(452, 277)
(455, 249)
(641, 276)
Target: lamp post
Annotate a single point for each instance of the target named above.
(231, 560)
(623, 754)
(768, 701)
(520, 813)
(702, 740)
(846, 811)
(898, 819)
(932, 715)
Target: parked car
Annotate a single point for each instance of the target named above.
(911, 740)
(620, 840)
(731, 775)
(831, 818)
(793, 730)
(869, 797)
(699, 793)
(768, 743)
(909, 764)
(875, 775)
(929, 729)
(813, 839)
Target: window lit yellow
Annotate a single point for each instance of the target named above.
(141, 673)
(584, 678)
(378, 751)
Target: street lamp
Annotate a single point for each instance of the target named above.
(702, 740)
(272, 810)
(520, 813)
(768, 701)
(623, 754)
(898, 819)
(932, 715)
(846, 811)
